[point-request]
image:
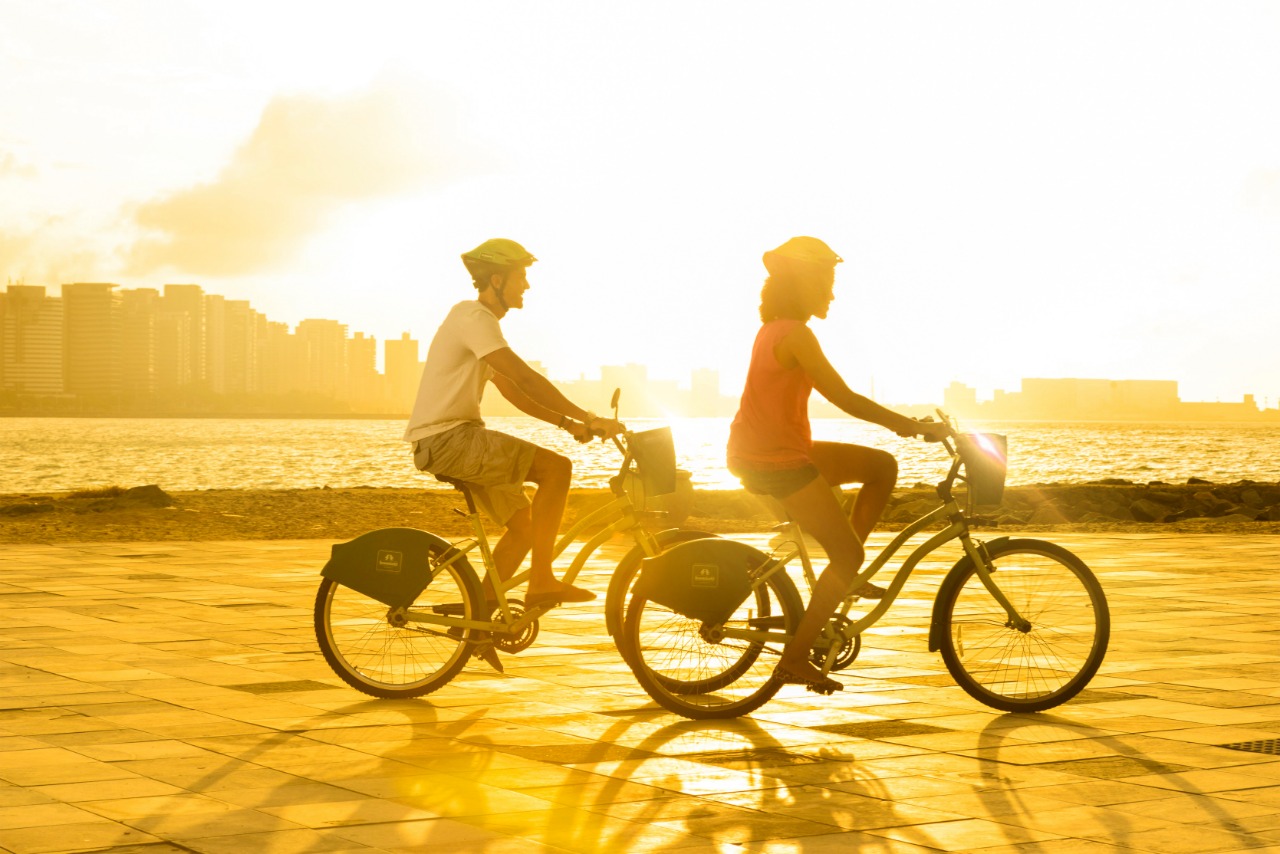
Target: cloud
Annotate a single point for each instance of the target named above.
(307, 158)
(49, 254)
(11, 166)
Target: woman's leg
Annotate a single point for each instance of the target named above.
(818, 512)
(876, 470)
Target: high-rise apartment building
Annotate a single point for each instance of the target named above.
(138, 358)
(365, 389)
(30, 341)
(403, 372)
(325, 344)
(91, 339)
(185, 304)
(231, 345)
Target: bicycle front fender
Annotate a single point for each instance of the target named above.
(391, 565)
(954, 578)
(624, 572)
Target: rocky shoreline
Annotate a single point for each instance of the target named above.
(149, 513)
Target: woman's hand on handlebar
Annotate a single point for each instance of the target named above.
(927, 429)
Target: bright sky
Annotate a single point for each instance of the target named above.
(1019, 189)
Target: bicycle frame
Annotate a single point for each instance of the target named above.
(619, 515)
(840, 629)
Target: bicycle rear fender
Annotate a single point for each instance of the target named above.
(614, 601)
(391, 565)
(705, 579)
(953, 579)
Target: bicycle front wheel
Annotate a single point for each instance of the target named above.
(687, 673)
(1013, 669)
(375, 652)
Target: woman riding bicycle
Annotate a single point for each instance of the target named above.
(771, 450)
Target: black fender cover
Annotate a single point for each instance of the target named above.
(705, 580)
(952, 580)
(391, 565)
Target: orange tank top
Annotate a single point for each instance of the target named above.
(771, 429)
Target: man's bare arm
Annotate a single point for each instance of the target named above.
(532, 387)
(524, 402)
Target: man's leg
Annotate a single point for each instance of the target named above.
(553, 474)
(510, 551)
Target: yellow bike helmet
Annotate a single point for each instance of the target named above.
(497, 252)
(809, 250)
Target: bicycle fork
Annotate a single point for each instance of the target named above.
(985, 567)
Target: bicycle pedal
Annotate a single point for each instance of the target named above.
(489, 656)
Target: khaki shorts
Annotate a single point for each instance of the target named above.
(492, 464)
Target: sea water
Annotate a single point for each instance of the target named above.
(180, 454)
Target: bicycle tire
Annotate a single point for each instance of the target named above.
(374, 656)
(695, 678)
(1004, 667)
(625, 574)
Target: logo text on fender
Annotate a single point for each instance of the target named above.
(706, 575)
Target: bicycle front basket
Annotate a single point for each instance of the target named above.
(655, 455)
(985, 457)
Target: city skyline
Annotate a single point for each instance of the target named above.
(146, 351)
(1018, 190)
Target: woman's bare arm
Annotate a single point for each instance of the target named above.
(800, 347)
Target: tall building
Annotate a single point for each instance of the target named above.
(91, 339)
(138, 358)
(403, 372)
(186, 304)
(280, 369)
(230, 345)
(173, 351)
(364, 384)
(325, 344)
(30, 341)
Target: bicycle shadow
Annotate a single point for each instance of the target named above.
(1011, 785)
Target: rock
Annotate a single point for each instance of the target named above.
(1212, 505)
(1237, 517)
(1145, 510)
(1251, 497)
(1189, 513)
(1095, 517)
(25, 509)
(913, 510)
(150, 495)
(1047, 514)
(1192, 481)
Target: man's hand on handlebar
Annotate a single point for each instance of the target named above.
(604, 428)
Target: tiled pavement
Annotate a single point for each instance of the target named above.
(165, 697)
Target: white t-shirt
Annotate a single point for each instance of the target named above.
(454, 376)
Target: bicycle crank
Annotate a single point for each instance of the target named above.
(514, 642)
(848, 650)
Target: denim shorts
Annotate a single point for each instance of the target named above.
(778, 483)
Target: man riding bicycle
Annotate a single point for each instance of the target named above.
(449, 437)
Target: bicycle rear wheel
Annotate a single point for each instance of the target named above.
(1025, 671)
(697, 678)
(376, 653)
